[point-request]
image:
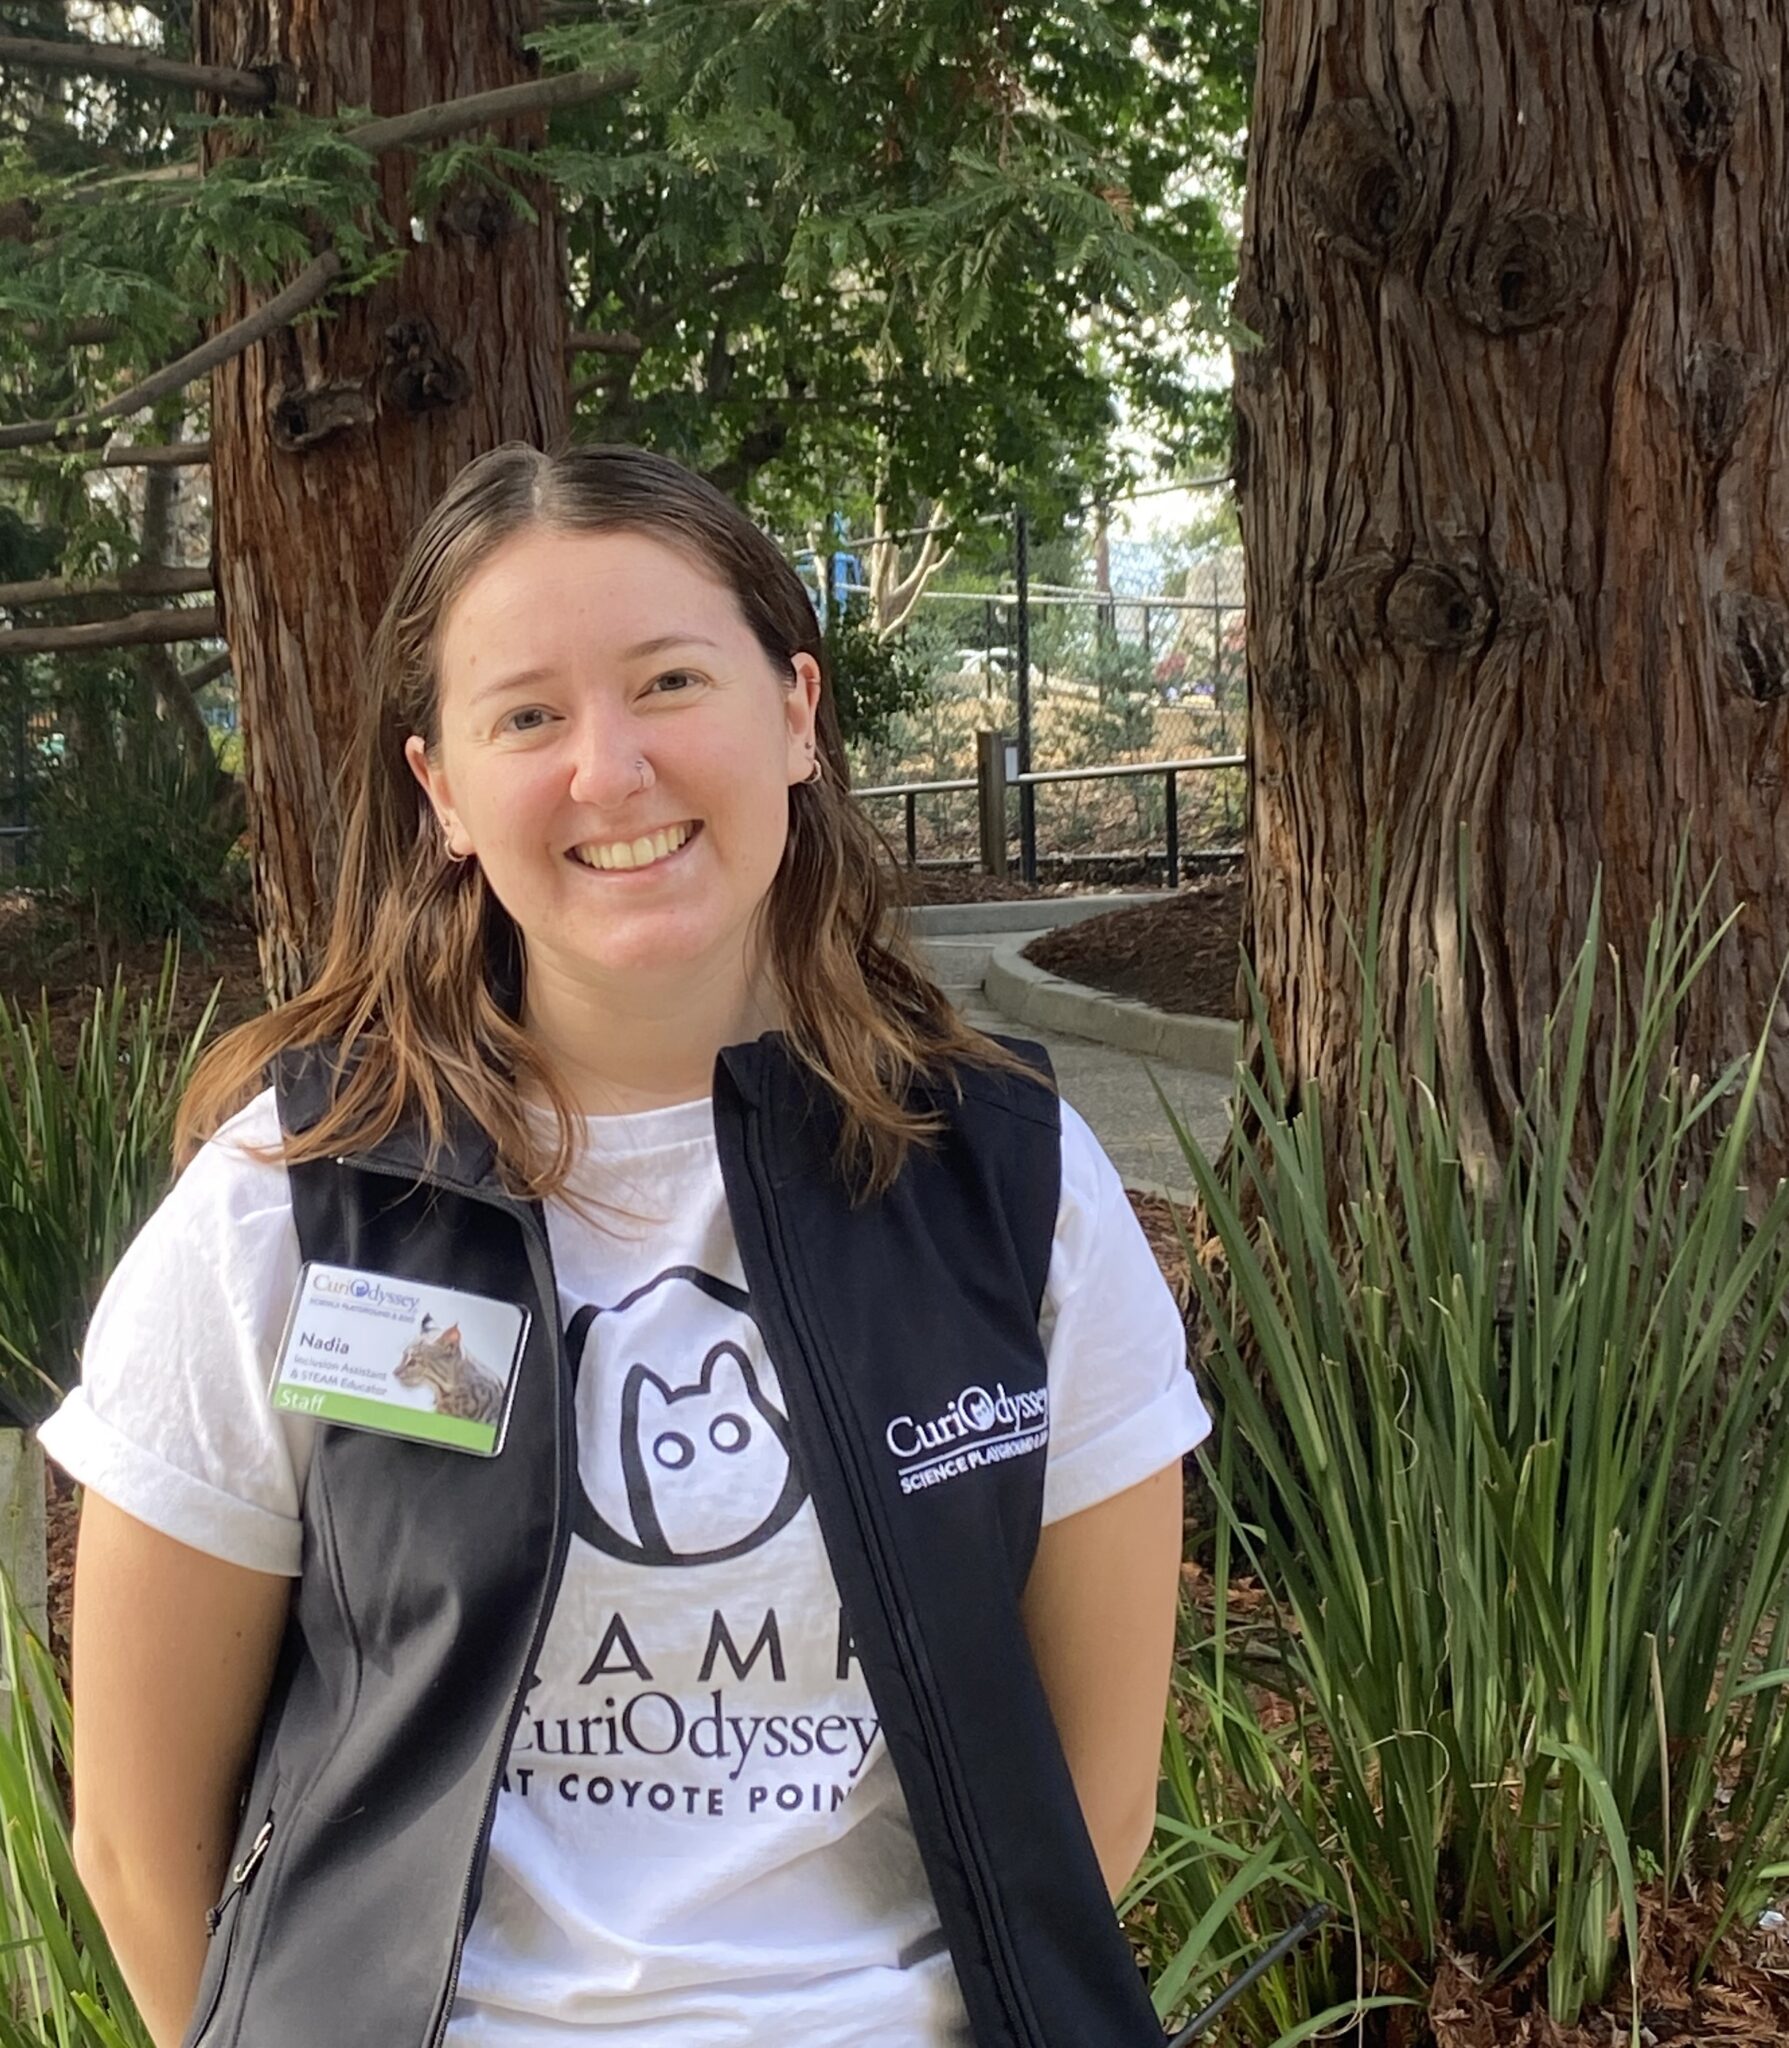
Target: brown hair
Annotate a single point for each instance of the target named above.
(411, 991)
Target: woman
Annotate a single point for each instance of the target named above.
(633, 1496)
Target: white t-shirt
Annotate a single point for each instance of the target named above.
(699, 1835)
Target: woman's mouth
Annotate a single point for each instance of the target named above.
(647, 851)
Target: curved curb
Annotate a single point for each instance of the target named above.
(1018, 988)
(1031, 914)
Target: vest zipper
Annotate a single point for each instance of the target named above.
(1001, 1961)
(540, 1260)
(240, 1877)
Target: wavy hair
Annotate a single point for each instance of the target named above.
(417, 994)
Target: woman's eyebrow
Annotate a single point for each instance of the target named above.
(642, 648)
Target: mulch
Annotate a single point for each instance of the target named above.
(1157, 1216)
(62, 1513)
(1176, 955)
(48, 957)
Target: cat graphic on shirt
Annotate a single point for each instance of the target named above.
(696, 1456)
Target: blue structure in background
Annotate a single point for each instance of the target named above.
(842, 578)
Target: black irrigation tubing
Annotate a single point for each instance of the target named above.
(1264, 1962)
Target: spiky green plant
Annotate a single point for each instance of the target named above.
(84, 1157)
(59, 1984)
(1512, 1453)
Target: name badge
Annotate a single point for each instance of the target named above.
(370, 1351)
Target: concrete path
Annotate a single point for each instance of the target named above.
(1112, 1090)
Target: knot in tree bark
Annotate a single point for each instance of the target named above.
(1698, 98)
(1527, 270)
(1290, 692)
(1754, 653)
(1439, 609)
(1720, 392)
(302, 415)
(478, 215)
(1356, 181)
(420, 373)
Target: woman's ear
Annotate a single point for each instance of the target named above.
(801, 708)
(434, 787)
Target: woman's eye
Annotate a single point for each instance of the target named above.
(676, 680)
(528, 718)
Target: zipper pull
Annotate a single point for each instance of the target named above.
(240, 1876)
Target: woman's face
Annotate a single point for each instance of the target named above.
(616, 751)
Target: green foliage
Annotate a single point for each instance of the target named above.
(85, 1150)
(874, 681)
(869, 254)
(137, 834)
(934, 241)
(59, 1984)
(1511, 1455)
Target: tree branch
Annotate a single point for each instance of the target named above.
(111, 454)
(147, 580)
(147, 455)
(74, 334)
(139, 629)
(201, 673)
(584, 340)
(126, 60)
(760, 446)
(454, 117)
(308, 287)
(431, 123)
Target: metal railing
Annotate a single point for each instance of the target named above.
(996, 774)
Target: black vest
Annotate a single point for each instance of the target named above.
(428, 1576)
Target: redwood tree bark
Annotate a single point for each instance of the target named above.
(1516, 504)
(331, 439)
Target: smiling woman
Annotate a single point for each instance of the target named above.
(624, 790)
(719, 1412)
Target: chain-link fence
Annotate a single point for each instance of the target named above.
(1133, 653)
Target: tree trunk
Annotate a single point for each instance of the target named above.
(1511, 440)
(331, 439)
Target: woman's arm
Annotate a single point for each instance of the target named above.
(1099, 1609)
(173, 1655)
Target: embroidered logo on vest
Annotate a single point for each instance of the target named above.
(975, 1429)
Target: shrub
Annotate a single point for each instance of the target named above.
(142, 837)
(84, 1157)
(874, 681)
(1510, 1455)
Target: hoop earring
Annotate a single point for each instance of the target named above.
(458, 859)
(816, 773)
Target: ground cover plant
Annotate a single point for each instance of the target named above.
(1505, 1447)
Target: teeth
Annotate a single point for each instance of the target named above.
(636, 853)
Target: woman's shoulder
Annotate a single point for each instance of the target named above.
(239, 1172)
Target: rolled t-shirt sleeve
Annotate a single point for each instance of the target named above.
(1123, 1402)
(171, 1421)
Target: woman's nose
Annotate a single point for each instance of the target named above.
(608, 765)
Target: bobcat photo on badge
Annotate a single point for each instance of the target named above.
(632, 1485)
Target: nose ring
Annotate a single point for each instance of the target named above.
(645, 775)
